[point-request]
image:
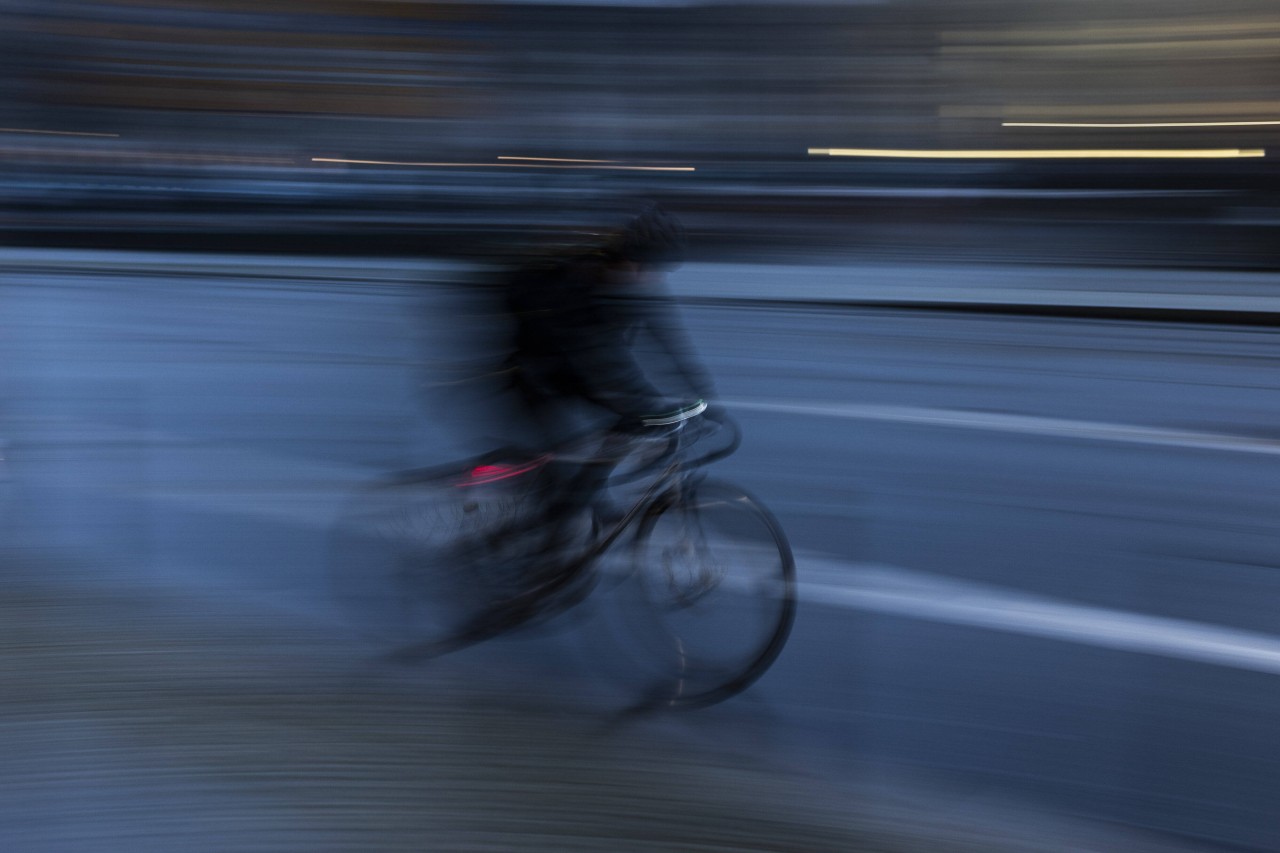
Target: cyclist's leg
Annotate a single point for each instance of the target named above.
(557, 391)
(581, 493)
(544, 408)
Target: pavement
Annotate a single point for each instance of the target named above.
(142, 720)
(1214, 296)
(155, 718)
(1177, 295)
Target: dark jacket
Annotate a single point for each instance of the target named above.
(574, 331)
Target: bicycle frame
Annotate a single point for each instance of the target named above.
(666, 582)
(677, 476)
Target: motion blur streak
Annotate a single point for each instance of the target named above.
(1049, 154)
(999, 422)
(1170, 49)
(56, 132)
(1009, 381)
(891, 589)
(555, 159)
(506, 165)
(1139, 124)
(150, 156)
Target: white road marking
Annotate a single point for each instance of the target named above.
(919, 595)
(309, 493)
(1023, 424)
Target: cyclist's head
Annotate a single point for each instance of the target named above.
(654, 238)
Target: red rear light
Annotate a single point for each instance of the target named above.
(492, 473)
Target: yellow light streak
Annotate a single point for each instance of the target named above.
(1240, 47)
(1049, 153)
(1156, 124)
(218, 158)
(1154, 112)
(55, 132)
(502, 165)
(1146, 29)
(556, 159)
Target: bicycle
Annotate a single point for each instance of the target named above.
(437, 559)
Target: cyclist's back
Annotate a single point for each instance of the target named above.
(576, 318)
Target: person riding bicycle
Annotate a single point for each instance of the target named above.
(576, 323)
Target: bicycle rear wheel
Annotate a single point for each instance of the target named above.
(711, 599)
(413, 561)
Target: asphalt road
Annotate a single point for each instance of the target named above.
(1036, 554)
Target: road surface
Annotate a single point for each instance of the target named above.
(1036, 555)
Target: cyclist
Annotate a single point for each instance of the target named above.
(576, 321)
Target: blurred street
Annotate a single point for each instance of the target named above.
(1037, 558)
(990, 285)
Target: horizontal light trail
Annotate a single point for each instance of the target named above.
(555, 159)
(1021, 424)
(889, 589)
(56, 132)
(117, 156)
(1048, 153)
(432, 165)
(1227, 110)
(1145, 124)
(1137, 124)
(311, 494)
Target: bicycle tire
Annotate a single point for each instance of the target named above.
(681, 601)
(408, 560)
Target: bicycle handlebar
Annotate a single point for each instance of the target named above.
(679, 439)
(721, 417)
(679, 415)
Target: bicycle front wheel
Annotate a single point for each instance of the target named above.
(712, 597)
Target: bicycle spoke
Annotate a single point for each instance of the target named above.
(712, 597)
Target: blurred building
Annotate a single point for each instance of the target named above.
(741, 91)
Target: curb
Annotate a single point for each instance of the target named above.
(1257, 309)
(1160, 314)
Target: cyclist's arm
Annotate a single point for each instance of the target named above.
(662, 321)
